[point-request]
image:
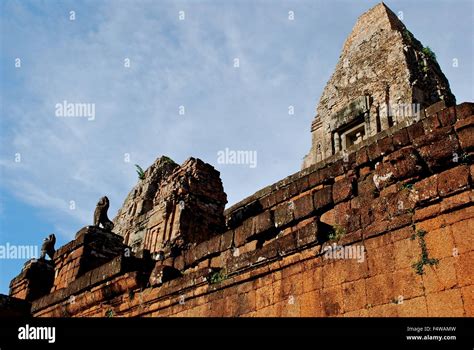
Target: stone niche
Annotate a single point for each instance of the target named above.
(351, 125)
(172, 208)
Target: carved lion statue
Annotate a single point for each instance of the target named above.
(48, 247)
(100, 214)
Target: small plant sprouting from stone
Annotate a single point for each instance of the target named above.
(422, 66)
(109, 313)
(131, 294)
(408, 187)
(425, 260)
(408, 36)
(464, 158)
(217, 276)
(336, 233)
(166, 159)
(140, 172)
(429, 53)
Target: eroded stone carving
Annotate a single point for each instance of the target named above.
(48, 247)
(172, 207)
(100, 214)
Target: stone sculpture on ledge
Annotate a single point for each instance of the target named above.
(48, 247)
(100, 214)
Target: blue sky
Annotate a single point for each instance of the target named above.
(173, 63)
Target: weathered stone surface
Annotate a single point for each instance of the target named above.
(327, 174)
(438, 147)
(453, 180)
(397, 166)
(13, 307)
(447, 116)
(173, 206)
(227, 240)
(323, 198)
(435, 108)
(400, 138)
(92, 247)
(304, 206)
(308, 234)
(284, 214)
(464, 110)
(140, 200)
(34, 281)
(254, 226)
(287, 243)
(465, 131)
(235, 217)
(415, 130)
(427, 188)
(430, 123)
(107, 280)
(362, 156)
(343, 189)
(366, 187)
(162, 274)
(263, 222)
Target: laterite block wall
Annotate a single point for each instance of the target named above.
(405, 196)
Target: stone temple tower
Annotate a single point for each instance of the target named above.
(384, 77)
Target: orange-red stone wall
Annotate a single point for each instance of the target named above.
(405, 196)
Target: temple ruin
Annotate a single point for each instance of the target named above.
(384, 77)
(388, 185)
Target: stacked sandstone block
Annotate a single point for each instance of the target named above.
(34, 281)
(92, 248)
(273, 252)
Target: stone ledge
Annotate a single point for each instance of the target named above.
(83, 237)
(375, 145)
(117, 266)
(196, 284)
(14, 307)
(299, 197)
(93, 298)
